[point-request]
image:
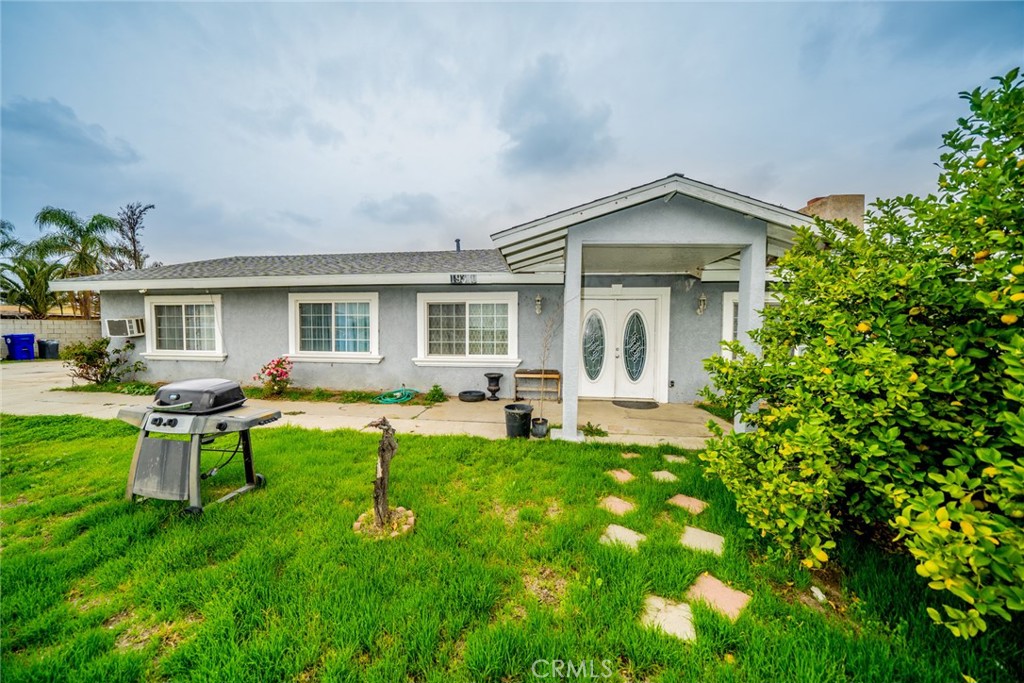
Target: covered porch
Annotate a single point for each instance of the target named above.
(636, 266)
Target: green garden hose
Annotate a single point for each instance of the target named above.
(396, 396)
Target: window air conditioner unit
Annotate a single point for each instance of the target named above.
(125, 327)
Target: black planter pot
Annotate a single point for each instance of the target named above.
(539, 428)
(517, 420)
(493, 385)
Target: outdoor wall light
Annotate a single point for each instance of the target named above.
(702, 304)
(538, 304)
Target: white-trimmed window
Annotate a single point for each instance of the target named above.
(340, 328)
(468, 329)
(184, 327)
(731, 317)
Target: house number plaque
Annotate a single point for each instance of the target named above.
(463, 278)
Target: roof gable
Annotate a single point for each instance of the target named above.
(539, 245)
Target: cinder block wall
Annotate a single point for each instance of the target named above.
(64, 330)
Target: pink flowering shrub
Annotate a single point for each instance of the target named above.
(276, 375)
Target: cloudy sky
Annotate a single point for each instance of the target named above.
(260, 128)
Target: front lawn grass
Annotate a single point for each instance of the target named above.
(503, 569)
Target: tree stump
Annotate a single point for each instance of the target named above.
(385, 451)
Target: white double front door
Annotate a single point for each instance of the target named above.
(620, 354)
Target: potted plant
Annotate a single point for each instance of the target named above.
(539, 424)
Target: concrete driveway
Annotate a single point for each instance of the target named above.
(27, 388)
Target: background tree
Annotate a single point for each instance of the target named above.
(9, 244)
(904, 410)
(128, 251)
(82, 246)
(25, 282)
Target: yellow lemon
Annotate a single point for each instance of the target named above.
(984, 253)
(863, 327)
(821, 555)
(981, 163)
(1019, 296)
(1017, 269)
(913, 377)
(951, 352)
(1008, 318)
(827, 371)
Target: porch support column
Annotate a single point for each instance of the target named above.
(752, 282)
(571, 312)
(753, 260)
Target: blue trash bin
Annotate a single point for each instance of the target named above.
(20, 346)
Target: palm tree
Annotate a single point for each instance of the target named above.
(82, 246)
(25, 282)
(9, 244)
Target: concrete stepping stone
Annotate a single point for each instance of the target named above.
(674, 618)
(698, 539)
(693, 505)
(621, 476)
(681, 459)
(664, 475)
(630, 456)
(620, 534)
(616, 505)
(719, 597)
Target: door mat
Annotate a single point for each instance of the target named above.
(636, 405)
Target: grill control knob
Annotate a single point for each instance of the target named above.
(221, 426)
(156, 421)
(173, 422)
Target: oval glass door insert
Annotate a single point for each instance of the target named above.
(634, 346)
(593, 346)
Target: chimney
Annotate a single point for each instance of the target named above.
(458, 244)
(837, 206)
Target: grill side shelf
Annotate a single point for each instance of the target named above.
(133, 415)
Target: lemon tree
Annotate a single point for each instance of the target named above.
(890, 388)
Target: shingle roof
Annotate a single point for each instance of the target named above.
(383, 263)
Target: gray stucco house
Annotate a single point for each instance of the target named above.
(631, 291)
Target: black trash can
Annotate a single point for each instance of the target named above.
(49, 348)
(517, 420)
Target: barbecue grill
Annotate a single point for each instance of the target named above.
(166, 466)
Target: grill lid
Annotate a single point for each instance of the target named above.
(198, 396)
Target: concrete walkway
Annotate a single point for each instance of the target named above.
(25, 389)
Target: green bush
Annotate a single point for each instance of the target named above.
(96, 362)
(891, 388)
(435, 395)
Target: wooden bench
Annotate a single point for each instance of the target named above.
(547, 382)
